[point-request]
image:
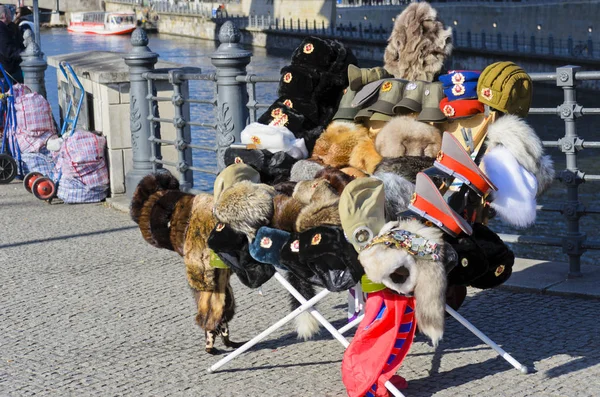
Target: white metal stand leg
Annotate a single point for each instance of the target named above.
(487, 340)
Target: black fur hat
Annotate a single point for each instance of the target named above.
(307, 108)
(298, 82)
(233, 249)
(316, 53)
(472, 262)
(500, 258)
(331, 257)
(257, 159)
(284, 116)
(407, 166)
(290, 259)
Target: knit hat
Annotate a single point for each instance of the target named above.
(467, 90)
(362, 210)
(461, 108)
(432, 96)
(390, 93)
(232, 248)
(456, 162)
(459, 77)
(428, 203)
(266, 247)
(506, 87)
(233, 174)
(411, 98)
(330, 256)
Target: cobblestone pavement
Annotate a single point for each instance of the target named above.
(87, 308)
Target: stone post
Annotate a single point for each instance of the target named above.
(140, 60)
(33, 64)
(230, 60)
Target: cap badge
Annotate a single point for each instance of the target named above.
(458, 90)
(440, 156)
(316, 239)
(426, 92)
(287, 78)
(458, 78)
(386, 86)
(288, 103)
(266, 242)
(238, 160)
(308, 48)
(449, 111)
(295, 246)
(487, 93)
(220, 226)
(363, 235)
(464, 262)
(255, 140)
(411, 86)
(280, 121)
(499, 270)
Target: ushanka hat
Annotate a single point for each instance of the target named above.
(315, 53)
(432, 96)
(428, 203)
(266, 247)
(298, 82)
(500, 258)
(308, 109)
(257, 159)
(232, 248)
(305, 170)
(331, 258)
(362, 210)
(456, 162)
(461, 108)
(506, 87)
(233, 174)
(411, 98)
(282, 116)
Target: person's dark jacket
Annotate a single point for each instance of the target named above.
(10, 48)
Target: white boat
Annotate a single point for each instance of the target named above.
(104, 23)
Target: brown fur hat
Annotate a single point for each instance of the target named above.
(419, 44)
(353, 172)
(335, 144)
(246, 206)
(286, 212)
(365, 157)
(149, 185)
(336, 178)
(405, 136)
(407, 166)
(308, 192)
(286, 188)
(319, 213)
(215, 307)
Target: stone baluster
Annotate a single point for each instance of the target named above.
(33, 64)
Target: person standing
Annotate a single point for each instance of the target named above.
(11, 45)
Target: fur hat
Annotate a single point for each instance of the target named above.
(398, 192)
(328, 254)
(286, 212)
(406, 166)
(290, 259)
(308, 109)
(257, 159)
(298, 82)
(353, 172)
(362, 210)
(149, 185)
(336, 178)
(279, 168)
(408, 257)
(308, 192)
(274, 138)
(245, 207)
(418, 45)
(514, 201)
(404, 136)
(232, 248)
(315, 53)
(526, 147)
(304, 170)
(283, 116)
(317, 213)
(266, 247)
(472, 261)
(506, 87)
(286, 188)
(500, 258)
(337, 141)
(233, 174)
(365, 156)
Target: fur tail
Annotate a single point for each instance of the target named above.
(430, 294)
(161, 210)
(306, 325)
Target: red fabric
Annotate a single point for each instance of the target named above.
(461, 108)
(367, 364)
(34, 115)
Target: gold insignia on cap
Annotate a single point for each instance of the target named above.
(276, 112)
(439, 156)
(288, 103)
(220, 226)
(458, 90)
(386, 86)
(487, 93)
(316, 239)
(449, 111)
(280, 121)
(287, 78)
(464, 262)
(295, 246)
(308, 48)
(238, 160)
(255, 140)
(413, 198)
(266, 242)
(499, 270)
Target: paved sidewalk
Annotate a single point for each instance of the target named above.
(87, 308)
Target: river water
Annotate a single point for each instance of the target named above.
(193, 52)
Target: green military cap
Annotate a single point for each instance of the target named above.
(233, 174)
(433, 93)
(506, 87)
(345, 110)
(390, 93)
(358, 77)
(411, 98)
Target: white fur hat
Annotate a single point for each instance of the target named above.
(274, 139)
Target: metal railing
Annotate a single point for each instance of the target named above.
(375, 3)
(235, 104)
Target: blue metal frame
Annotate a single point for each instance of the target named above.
(68, 120)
